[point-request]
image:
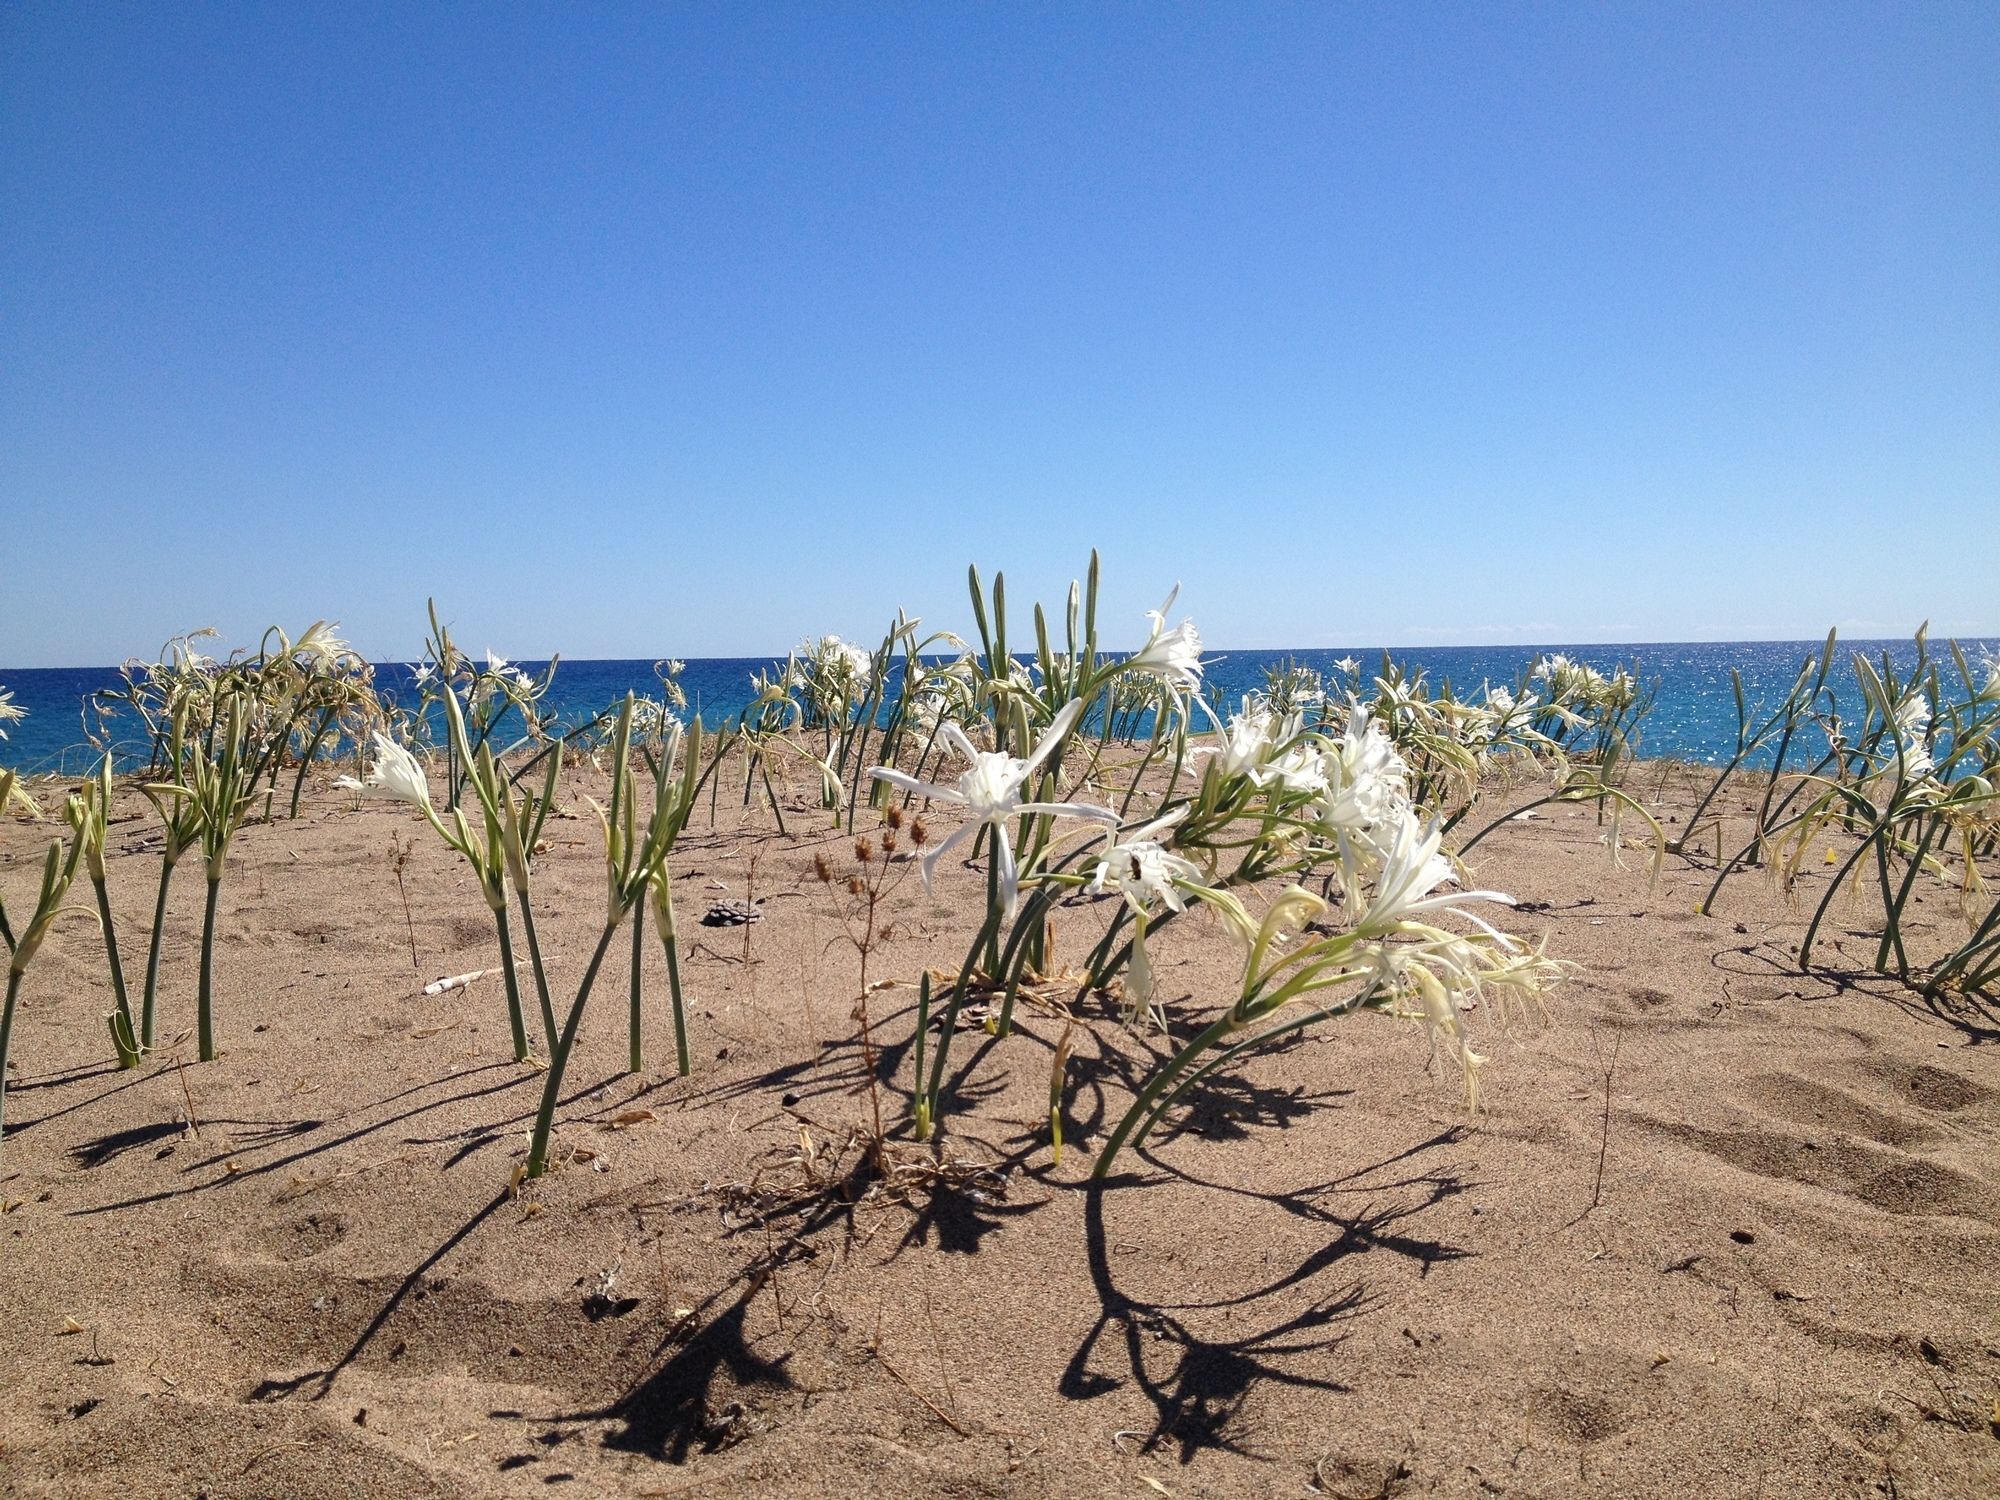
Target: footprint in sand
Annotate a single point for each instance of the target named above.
(295, 1239)
(1879, 1176)
(1928, 1087)
(1806, 1102)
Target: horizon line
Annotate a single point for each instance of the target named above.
(1208, 652)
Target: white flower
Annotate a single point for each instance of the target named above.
(1026, 677)
(1443, 977)
(1143, 870)
(845, 656)
(839, 663)
(1347, 665)
(1412, 870)
(397, 774)
(1173, 656)
(1242, 744)
(10, 711)
(499, 669)
(422, 673)
(1912, 721)
(1365, 793)
(990, 791)
(1913, 716)
(1500, 700)
(1299, 769)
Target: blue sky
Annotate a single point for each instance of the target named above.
(646, 330)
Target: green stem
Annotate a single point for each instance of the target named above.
(1832, 890)
(1892, 921)
(636, 1027)
(545, 1117)
(153, 958)
(204, 1018)
(919, 1105)
(1156, 1086)
(950, 1027)
(6, 1034)
(991, 960)
(1960, 962)
(541, 974)
(121, 1018)
(1235, 1050)
(515, 1019)
(772, 793)
(670, 940)
(1032, 923)
(305, 764)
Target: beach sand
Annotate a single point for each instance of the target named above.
(1721, 1229)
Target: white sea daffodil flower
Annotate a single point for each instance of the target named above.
(1300, 769)
(1406, 887)
(1913, 716)
(990, 791)
(1173, 656)
(846, 657)
(1242, 744)
(1363, 797)
(1912, 722)
(1143, 870)
(397, 774)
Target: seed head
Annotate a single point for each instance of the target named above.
(919, 834)
(821, 868)
(863, 850)
(893, 817)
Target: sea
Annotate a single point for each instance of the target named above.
(1694, 715)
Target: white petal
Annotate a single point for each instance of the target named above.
(1064, 721)
(953, 736)
(1010, 880)
(1071, 810)
(930, 860)
(911, 784)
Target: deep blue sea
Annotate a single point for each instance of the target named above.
(1695, 715)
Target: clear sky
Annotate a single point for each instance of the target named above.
(635, 330)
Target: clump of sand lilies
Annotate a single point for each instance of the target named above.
(1316, 825)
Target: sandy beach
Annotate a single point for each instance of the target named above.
(1719, 1229)
(1304, 692)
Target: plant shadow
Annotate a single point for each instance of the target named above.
(1198, 1383)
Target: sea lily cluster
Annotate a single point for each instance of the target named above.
(1317, 828)
(1304, 784)
(1911, 783)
